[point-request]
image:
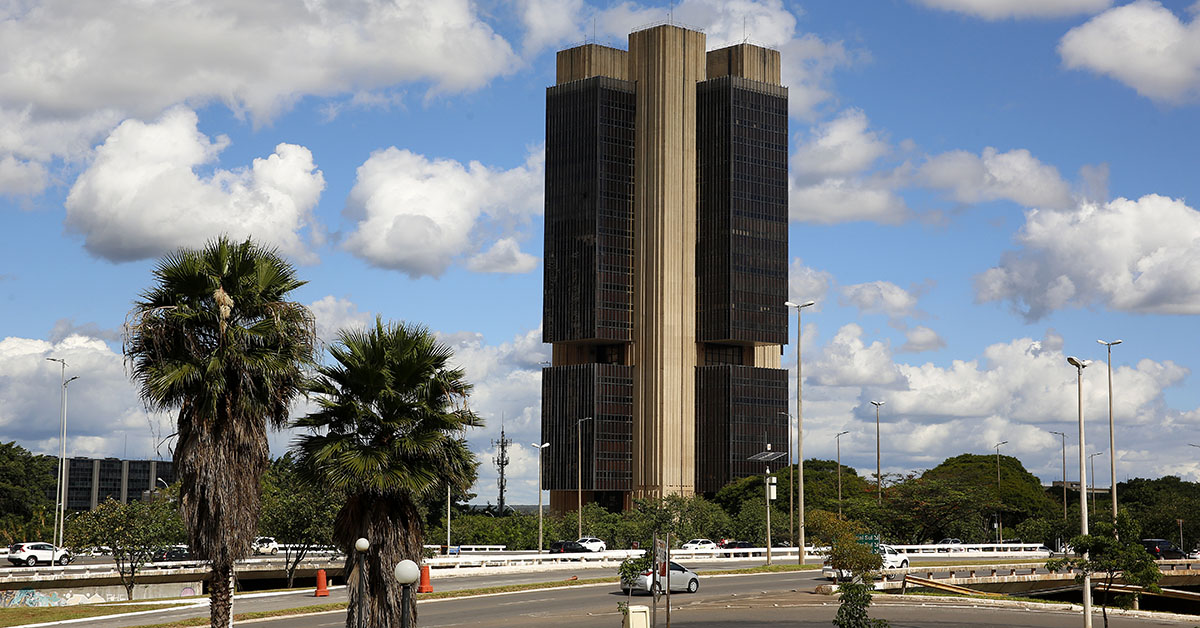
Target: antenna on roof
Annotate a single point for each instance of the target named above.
(744, 36)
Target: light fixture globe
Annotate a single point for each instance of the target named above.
(406, 572)
(362, 545)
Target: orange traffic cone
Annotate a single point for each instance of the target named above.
(322, 585)
(425, 587)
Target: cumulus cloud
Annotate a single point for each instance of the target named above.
(334, 314)
(549, 22)
(848, 361)
(1136, 256)
(921, 338)
(73, 70)
(837, 200)
(505, 256)
(1006, 9)
(20, 177)
(1015, 175)
(807, 284)
(1141, 44)
(142, 196)
(880, 297)
(102, 405)
(840, 147)
(418, 215)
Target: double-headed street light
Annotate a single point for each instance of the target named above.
(878, 468)
(61, 490)
(1092, 489)
(1112, 438)
(999, 519)
(579, 470)
(838, 439)
(1064, 467)
(540, 448)
(1083, 505)
(799, 425)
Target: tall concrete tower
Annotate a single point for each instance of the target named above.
(665, 267)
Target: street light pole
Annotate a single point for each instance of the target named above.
(362, 545)
(540, 448)
(838, 440)
(999, 518)
(878, 468)
(1064, 465)
(1083, 505)
(61, 490)
(791, 483)
(1112, 438)
(579, 470)
(1092, 488)
(799, 425)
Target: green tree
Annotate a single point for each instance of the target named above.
(1115, 552)
(133, 531)
(216, 339)
(25, 480)
(296, 512)
(387, 433)
(935, 506)
(1020, 494)
(1159, 504)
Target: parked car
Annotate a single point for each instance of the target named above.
(682, 579)
(892, 559)
(33, 553)
(568, 547)
(699, 544)
(952, 545)
(593, 544)
(265, 545)
(1163, 549)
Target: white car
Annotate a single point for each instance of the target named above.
(265, 545)
(682, 579)
(593, 544)
(33, 553)
(699, 544)
(892, 559)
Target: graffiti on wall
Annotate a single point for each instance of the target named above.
(34, 597)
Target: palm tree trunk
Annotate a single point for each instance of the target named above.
(392, 525)
(220, 597)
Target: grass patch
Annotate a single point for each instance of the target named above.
(761, 569)
(18, 616)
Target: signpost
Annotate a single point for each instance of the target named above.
(871, 540)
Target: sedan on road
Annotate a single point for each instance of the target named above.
(682, 579)
(33, 553)
(892, 559)
(699, 544)
(568, 547)
(593, 544)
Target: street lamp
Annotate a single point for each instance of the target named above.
(999, 519)
(406, 574)
(1092, 488)
(579, 470)
(61, 491)
(838, 439)
(1112, 438)
(767, 456)
(799, 425)
(540, 448)
(878, 468)
(1083, 505)
(1064, 466)
(791, 482)
(362, 545)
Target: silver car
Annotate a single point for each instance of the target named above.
(682, 579)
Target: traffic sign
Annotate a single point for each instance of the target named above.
(869, 539)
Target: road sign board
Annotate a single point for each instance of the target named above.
(869, 539)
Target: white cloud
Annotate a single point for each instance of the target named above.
(142, 196)
(840, 147)
(1141, 44)
(73, 70)
(807, 284)
(1015, 175)
(550, 22)
(18, 177)
(334, 314)
(1005, 9)
(837, 200)
(921, 338)
(505, 256)
(848, 361)
(880, 297)
(1136, 256)
(418, 215)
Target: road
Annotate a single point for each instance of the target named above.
(747, 601)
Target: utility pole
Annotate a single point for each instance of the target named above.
(501, 461)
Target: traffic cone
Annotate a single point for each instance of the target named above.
(322, 585)
(425, 587)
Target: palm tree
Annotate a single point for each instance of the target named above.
(388, 434)
(215, 339)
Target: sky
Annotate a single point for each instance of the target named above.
(978, 189)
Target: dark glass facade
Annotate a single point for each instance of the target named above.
(741, 253)
(588, 265)
(605, 393)
(738, 411)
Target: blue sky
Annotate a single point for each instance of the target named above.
(979, 188)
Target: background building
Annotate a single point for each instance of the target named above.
(665, 267)
(90, 481)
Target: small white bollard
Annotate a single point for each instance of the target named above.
(637, 617)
